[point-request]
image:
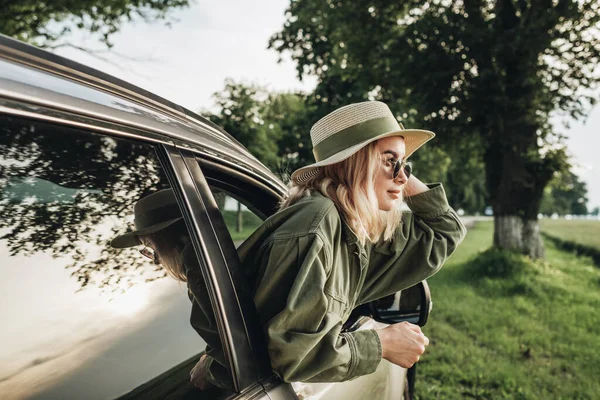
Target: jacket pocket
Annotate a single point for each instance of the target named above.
(336, 304)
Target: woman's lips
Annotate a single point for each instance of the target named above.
(395, 193)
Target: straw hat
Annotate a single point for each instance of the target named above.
(343, 132)
(151, 214)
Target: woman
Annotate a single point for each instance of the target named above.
(339, 240)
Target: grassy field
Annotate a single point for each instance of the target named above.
(505, 327)
(584, 232)
(249, 224)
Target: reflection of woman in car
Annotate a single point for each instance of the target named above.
(164, 239)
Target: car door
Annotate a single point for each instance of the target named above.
(79, 318)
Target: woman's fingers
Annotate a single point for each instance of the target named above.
(412, 327)
(403, 343)
(417, 329)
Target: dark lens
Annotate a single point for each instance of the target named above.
(408, 170)
(148, 253)
(397, 168)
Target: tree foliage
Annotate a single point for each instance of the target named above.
(47, 23)
(485, 75)
(67, 193)
(272, 126)
(565, 194)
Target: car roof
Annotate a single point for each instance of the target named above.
(34, 76)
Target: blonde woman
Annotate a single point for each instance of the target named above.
(340, 240)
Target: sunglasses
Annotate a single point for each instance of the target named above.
(150, 253)
(402, 165)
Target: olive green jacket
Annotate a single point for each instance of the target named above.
(309, 272)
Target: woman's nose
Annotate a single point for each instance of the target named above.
(401, 178)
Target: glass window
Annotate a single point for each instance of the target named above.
(240, 221)
(82, 318)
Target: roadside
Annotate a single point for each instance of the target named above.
(470, 220)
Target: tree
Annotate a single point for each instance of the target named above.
(268, 124)
(241, 111)
(565, 194)
(291, 115)
(45, 23)
(486, 75)
(272, 126)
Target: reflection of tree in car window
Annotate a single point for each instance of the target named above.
(62, 188)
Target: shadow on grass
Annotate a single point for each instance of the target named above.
(501, 273)
(573, 247)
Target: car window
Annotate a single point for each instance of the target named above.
(81, 319)
(241, 222)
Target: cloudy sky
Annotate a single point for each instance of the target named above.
(212, 41)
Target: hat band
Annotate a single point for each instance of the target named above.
(354, 135)
(156, 216)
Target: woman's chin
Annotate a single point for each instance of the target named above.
(386, 206)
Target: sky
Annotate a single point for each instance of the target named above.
(212, 41)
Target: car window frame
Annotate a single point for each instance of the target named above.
(242, 338)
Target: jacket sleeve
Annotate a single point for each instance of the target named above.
(303, 330)
(426, 237)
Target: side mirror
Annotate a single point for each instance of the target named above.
(413, 305)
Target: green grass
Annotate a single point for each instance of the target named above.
(520, 331)
(249, 224)
(584, 232)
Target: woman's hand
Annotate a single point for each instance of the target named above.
(414, 186)
(198, 374)
(403, 343)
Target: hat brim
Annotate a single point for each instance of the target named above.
(130, 239)
(413, 140)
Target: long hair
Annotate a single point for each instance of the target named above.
(167, 245)
(350, 184)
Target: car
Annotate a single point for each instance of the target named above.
(82, 320)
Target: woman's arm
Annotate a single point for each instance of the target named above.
(424, 240)
(303, 325)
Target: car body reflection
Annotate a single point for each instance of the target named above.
(88, 344)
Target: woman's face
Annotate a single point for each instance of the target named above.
(388, 189)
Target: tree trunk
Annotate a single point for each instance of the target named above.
(517, 170)
(532, 240)
(514, 233)
(508, 232)
(240, 215)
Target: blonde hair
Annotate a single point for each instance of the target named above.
(350, 184)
